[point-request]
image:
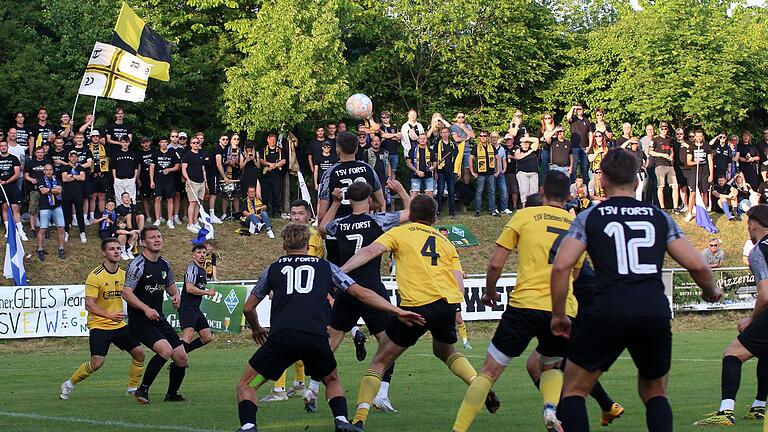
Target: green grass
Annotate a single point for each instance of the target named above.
(246, 257)
(423, 390)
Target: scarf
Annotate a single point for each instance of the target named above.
(486, 160)
(599, 189)
(254, 205)
(50, 183)
(441, 147)
(103, 162)
(427, 158)
(268, 151)
(230, 167)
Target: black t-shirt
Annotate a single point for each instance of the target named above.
(342, 175)
(75, 187)
(445, 155)
(745, 150)
(49, 200)
(61, 156)
(324, 162)
(83, 154)
(511, 161)
(722, 157)
(117, 131)
(196, 276)
(220, 152)
(125, 210)
(357, 231)
(148, 280)
(300, 285)
(763, 191)
(560, 152)
(700, 154)
(7, 164)
(379, 166)
(528, 163)
(315, 149)
(627, 241)
(145, 158)
(125, 164)
(391, 145)
(22, 136)
(274, 155)
(580, 129)
(35, 167)
(42, 132)
(681, 153)
(662, 145)
(723, 190)
(195, 165)
(164, 161)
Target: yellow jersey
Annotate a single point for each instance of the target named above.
(316, 244)
(425, 261)
(536, 233)
(107, 289)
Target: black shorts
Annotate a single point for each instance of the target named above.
(192, 317)
(99, 340)
(347, 310)
(755, 337)
(165, 189)
(213, 182)
(145, 190)
(108, 233)
(86, 187)
(682, 179)
(101, 184)
(690, 175)
(441, 323)
(289, 346)
(149, 332)
(14, 195)
(597, 343)
(519, 326)
(180, 185)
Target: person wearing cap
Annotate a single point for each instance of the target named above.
(632, 145)
(663, 154)
(118, 129)
(73, 178)
(560, 155)
(100, 177)
(125, 169)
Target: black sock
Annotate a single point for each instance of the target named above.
(658, 415)
(731, 377)
(601, 397)
(191, 346)
(339, 406)
(154, 367)
(175, 377)
(572, 411)
(247, 411)
(387, 377)
(762, 380)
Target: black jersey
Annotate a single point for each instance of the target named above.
(8, 164)
(343, 174)
(627, 240)
(196, 276)
(83, 154)
(357, 231)
(300, 285)
(148, 280)
(145, 158)
(162, 161)
(60, 156)
(125, 164)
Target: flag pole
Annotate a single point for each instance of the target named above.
(94, 106)
(77, 96)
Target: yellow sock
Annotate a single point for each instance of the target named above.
(460, 366)
(369, 386)
(473, 401)
(82, 372)
(551, 385)
(135, 373)
(299, 366)
(280, 383)
(462, 328)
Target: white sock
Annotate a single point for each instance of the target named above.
(252, 228)
(727, 404)
(464, 340)
(6, 226)
(354, 330)
(314, 386)
(758, 403)
(90, 215)
(279, 389)
(247, 425)
(342, 418)
(363, 406)
(384, 390)
(69, 383)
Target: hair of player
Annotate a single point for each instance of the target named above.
(359, 191)
(107, 241)
(301, 203)
(534, 200)
(423, 209)
(147, 229)
(759, 214)
(295, 236)
(557, 186)
(619, 167)
(198, 246)
(347, 142)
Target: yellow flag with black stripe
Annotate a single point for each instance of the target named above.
(136, 37)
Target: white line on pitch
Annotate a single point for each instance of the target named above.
(700, 360)
(113, 423)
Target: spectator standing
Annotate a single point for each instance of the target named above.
(51, 212)
(180, 149)
(73, 178)
(228, 172)
(433, 133)
(273, 160)
(699, 161)
(324, 161)
(24, 136)
(33, 172)
(116, 130)
(762, 191)
(446, 152)
(410, 131)
(500, 180)
(20, 151)
(42, 132)
(100, 181)
(713, 256)
(125, 169)
(547, 133)
(511, 173)
(315, 150)
(581, 138)
(10, 171)
(633, 147)
(597, 150)
(663, 154)
(249, 165)
(378, 159)
(163, 167)
(463, 134)
(66, 128)
(680, 163)
(484, 166)
(527, 168)
(626, 134)
(193, 171)
(145, 194)
(723, 156)
(391, 139)
(330, 134)
(601, 126)
(749, 159)
(421, 161)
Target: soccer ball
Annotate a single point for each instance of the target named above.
(359, 106)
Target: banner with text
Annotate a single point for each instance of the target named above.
(224, 311)
(42, 311)
(738, 285)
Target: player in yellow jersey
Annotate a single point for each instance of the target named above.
(430, 282)
(106, 320)
(535, 232)
(302, 213)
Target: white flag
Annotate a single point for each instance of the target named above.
(115, 73)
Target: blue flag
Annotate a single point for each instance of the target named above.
(14, 254)
(702, 217)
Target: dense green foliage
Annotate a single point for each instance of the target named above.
(256, 65)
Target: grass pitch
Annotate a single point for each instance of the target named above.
(426, 394)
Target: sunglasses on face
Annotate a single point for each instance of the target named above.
(174, 136)
(547, 118)
(483, 136)
(663, 128)
(183, 138)
(458, 117)
(713, 245)
(598, 172)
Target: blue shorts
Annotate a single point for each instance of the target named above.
(47, 215)
(426, 184)
(465, 159)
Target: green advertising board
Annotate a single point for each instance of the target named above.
(458, 235)
(224, 311)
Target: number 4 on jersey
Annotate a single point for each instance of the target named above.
(430, 250)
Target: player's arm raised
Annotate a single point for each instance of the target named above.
(683, 252)
(398, 188)
(568, 255)
(330, 215)
(363, 256)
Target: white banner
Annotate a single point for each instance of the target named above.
(115, 73)
(42, 311)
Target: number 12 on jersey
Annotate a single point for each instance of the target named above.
(627, 252)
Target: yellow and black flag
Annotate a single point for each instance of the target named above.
(134, 36)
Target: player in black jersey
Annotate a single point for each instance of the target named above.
(342, 174)
(299, 283)
(191, 318)
(147, 277)
(627, 240)
(354, 232)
